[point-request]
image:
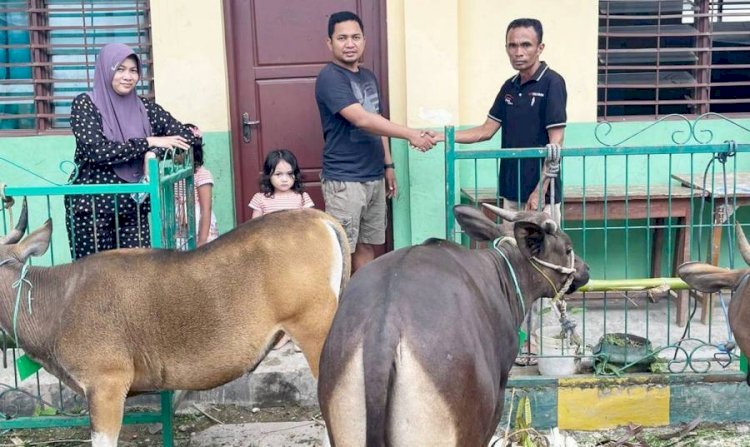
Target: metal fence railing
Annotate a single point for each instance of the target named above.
(42, 401)
(634, 215)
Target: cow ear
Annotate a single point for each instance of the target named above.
(530, 238)
(36, 243)
(478, 226)
(708, 278)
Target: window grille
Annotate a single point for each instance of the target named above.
(48, 50)
(658, 57)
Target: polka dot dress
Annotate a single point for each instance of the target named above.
(106, 221)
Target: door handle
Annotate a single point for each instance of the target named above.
(246, 127)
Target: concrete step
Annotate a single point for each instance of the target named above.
(283, 378)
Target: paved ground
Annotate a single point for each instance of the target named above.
(270, 434)
(296, 434)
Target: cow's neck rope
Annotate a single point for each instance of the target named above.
(557, 299)
(495, 244)
(570, 271)
(19, 285)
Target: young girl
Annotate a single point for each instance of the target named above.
(281, 188)
(205, 220)
(281, 185)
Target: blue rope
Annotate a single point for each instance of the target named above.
(495, 243)
(18, 284)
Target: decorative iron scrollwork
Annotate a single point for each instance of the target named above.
(695, 131)
(72, 172)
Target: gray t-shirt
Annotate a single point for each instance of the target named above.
(350, 154)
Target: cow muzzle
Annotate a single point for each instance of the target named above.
(569, 272)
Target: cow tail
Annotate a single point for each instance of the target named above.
(379, 352)
(346, 255)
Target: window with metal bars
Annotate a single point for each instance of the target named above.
(47, 53)
(658, 57)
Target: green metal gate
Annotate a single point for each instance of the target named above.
(635, 213)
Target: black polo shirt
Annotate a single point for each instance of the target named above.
(525, 113)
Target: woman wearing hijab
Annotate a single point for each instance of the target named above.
(114, 129)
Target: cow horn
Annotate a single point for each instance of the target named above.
(15, 235)
(550, 226)
(742, 242)
(508, 215)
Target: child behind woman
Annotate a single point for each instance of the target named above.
(205, 220)
(281, 185)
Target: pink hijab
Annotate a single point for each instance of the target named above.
(123, 117)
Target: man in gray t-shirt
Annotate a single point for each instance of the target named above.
(358, 172)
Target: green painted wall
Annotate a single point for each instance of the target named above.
(418, 211)
(425, 189)
(43, 155)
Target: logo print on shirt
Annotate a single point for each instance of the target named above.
(367, 95)
(534, 96)
(509, 99)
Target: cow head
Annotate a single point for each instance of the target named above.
(12, 251)
(708, 278)
(537, 236)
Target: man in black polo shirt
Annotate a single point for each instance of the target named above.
(530, 108)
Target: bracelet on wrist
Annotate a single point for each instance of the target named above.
(389, 165)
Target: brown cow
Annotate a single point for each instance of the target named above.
(424, 338)
(127, 321)
(709, 279)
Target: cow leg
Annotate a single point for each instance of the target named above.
(310, 329)
(106, 401)
(420, 413)
(343, 402)
(326, 439)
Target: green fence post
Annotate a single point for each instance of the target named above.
(156, 199)
(167, 418)
(450, 182)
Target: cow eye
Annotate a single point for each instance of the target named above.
(568, 250)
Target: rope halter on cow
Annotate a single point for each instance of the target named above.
(19, 285)
(569, 271)
(552, 171)
(568, 325)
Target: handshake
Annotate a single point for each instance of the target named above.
(424, 140)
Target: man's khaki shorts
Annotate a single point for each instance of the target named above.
(359, 207)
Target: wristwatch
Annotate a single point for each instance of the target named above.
(389, 165)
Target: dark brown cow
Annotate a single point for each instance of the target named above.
(709, 279)
(424, 338)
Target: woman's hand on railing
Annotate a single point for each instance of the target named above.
(169, 141)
